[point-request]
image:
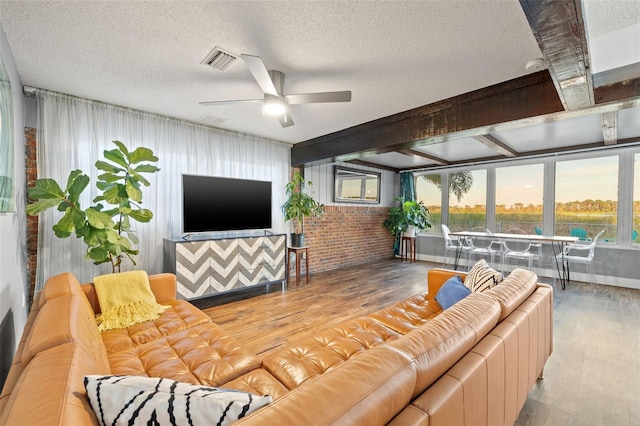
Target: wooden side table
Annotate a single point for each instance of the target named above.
(299, 252)
(408, 249)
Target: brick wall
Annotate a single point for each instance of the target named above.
(32, 221)
(347, 235)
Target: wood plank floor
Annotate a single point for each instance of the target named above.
(265, 322)
(592, 377)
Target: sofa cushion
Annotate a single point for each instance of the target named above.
(125, 299)
(198, 352)
(409, 314)
(452, 292)
(482, 277)
(133, 400)
(298, 362)
(180, 315)
(258, 382)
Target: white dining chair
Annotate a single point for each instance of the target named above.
(522, 250)
(584, 254)
(493, 250)
(454, 245)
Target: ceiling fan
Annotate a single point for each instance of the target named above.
(275, 101)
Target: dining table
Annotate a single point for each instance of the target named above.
(558, 244)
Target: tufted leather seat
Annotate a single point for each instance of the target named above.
(297, 362)
(409, 314)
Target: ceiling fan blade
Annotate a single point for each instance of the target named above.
(285, 120)
(238, 101)
(260, 73)
(314, 98)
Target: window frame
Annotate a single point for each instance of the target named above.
(626, 180)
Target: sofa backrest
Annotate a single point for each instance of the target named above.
(513, 290)
(51, 387)
(163, 286)
(440, 343)
(436, 277)
(368, 390)
(16, 366)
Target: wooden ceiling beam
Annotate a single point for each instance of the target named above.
(374, 165)
(536, 153)
(497, 145)
(560, 31)
(548, 95)
(527, 96)
(419, 154)
(615, 92)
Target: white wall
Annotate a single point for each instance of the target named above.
(13, 263)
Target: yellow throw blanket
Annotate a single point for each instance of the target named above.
(125, 299)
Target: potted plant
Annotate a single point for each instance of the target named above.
(298, 206)
(106, 231)
(407, 217)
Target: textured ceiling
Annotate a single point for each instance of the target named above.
(606, 16)
(393, 55)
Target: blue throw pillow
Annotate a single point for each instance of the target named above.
(451, 292)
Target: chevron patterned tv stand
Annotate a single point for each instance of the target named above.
(214, 266)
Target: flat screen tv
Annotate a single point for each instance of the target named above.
(212, 204)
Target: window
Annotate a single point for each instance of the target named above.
(6, 142)
(586, 197)
(635, 217)
(467, 200)
(519, 198)
(356, 186)
(428, 191)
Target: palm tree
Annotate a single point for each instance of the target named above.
(459, 183)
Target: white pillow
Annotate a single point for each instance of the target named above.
(137, 400)
(482, 277)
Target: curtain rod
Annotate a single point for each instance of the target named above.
(34, 91)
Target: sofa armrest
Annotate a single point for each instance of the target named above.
(164, 286)
(436, 277)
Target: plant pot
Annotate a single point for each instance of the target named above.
(410, 232)
(297, 240)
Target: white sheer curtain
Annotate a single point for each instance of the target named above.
(73, 133)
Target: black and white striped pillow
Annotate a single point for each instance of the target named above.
(482, 277)
(136, 400)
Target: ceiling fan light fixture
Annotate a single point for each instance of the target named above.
(274, 106)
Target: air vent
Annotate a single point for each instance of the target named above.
(220, 59)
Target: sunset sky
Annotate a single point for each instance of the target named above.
(576, 180)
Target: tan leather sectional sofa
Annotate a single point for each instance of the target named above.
(412, 363)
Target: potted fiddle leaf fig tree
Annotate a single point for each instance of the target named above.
(105, 227)
(407, 217)
(299, 205)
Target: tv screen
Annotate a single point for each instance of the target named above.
(224, 204)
